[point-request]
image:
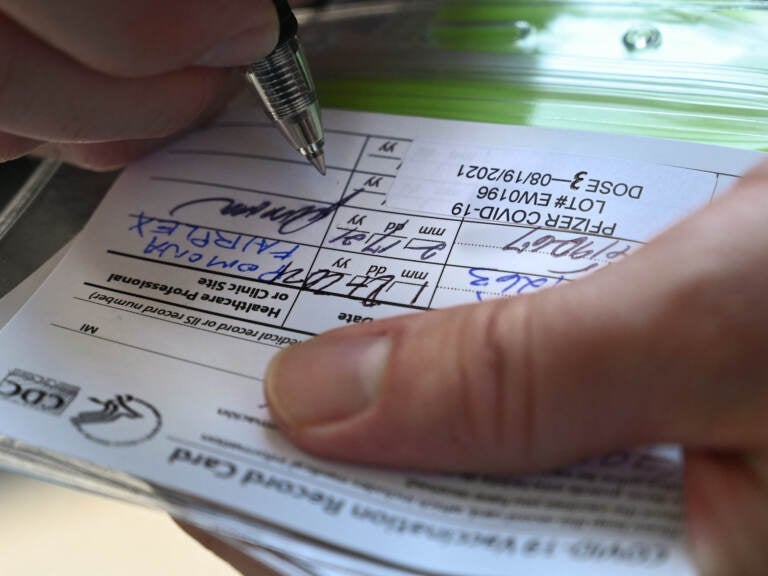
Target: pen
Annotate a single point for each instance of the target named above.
(284, 85)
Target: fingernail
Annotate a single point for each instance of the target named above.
(325, 380)
(242, 49)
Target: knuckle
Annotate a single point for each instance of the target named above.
(497, 385)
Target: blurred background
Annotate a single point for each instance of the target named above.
(51, 531)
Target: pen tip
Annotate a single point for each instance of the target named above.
(318, 162)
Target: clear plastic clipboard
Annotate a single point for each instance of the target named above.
(686, 70)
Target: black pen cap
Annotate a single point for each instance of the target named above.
(288, 24)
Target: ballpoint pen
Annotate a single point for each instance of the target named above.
(284, 85)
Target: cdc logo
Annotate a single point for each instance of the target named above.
(37, 392)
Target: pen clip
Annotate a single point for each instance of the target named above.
(287, 21)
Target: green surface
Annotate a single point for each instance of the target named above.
(564, 65)
(510, 104)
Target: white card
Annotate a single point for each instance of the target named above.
(144, 350)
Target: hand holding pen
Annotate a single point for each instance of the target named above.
(101, 82)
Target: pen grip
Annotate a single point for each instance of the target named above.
(287, 21)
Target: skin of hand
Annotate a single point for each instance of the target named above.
(668, 345)
(101, 82)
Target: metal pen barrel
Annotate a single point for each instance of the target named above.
(287, 92)
(284, 85)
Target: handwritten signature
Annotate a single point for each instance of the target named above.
(291, 220)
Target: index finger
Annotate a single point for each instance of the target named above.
(145, 37)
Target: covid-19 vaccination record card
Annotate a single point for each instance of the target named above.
(136, 369)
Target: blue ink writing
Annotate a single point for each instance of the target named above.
(291, 220)
(507, 283)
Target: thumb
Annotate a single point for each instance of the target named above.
(637, 353)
